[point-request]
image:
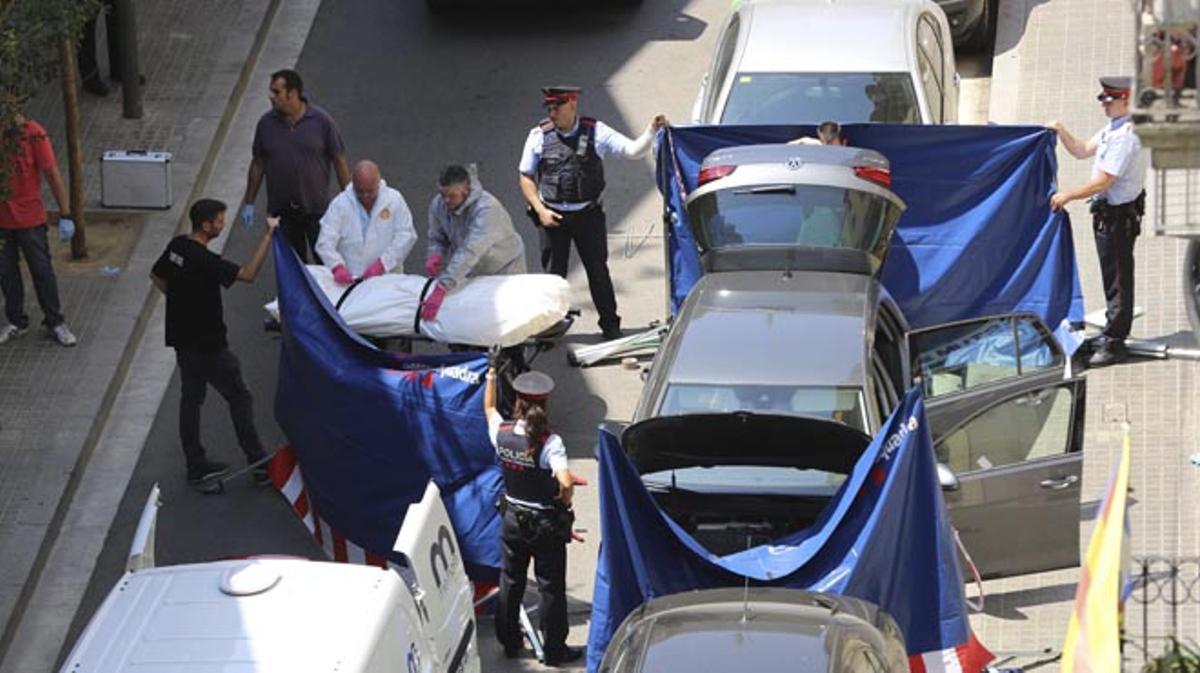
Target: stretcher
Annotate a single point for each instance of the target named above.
(483, 311)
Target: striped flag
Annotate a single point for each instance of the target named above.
(285, 475)
(1093, 643)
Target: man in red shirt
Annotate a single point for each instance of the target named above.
(23, 233)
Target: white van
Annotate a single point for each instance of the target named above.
(264, 615)
(848, 61)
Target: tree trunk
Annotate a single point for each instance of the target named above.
(70, 74)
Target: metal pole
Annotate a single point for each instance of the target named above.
(127, 48)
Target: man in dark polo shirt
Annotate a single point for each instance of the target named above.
(192, 277)
(295, 146)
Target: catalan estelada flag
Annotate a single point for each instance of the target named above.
(1093, 643)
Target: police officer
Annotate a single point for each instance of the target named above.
(537, 515)
(1118, 202)
(562, 178)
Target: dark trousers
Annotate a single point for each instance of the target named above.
(549, 567)
(86, 56)
(301, 230)
(33, 245)
(221, 370)
(1115, 234)
(589, 230)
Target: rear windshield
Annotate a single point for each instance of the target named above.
(844, 405)
(798, 98)
(791, 215)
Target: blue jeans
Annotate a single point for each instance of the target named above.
(32, 244)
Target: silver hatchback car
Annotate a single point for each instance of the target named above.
(789, 334)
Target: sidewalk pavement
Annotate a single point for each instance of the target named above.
(1047, 61)
(73, 421)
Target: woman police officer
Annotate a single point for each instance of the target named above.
(537, 520)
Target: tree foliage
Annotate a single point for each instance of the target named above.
(31, 32)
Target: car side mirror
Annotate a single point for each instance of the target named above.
(947, 478)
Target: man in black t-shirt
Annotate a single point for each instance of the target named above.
(192, 277)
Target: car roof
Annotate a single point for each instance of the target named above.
(810, 36)
(774, 327)
(711, 616)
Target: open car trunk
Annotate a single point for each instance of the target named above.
(741, 479)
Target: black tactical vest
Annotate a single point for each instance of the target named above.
(524, 479)
(570, 170)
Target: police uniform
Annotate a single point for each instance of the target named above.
(1116, 216)
(569, 169)
(536, 525)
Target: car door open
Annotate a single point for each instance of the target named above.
(1007, 421)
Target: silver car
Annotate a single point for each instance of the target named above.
(758, 629)
(799, 61)
(790, 335)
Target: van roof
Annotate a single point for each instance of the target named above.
(810, 36)
(293, 615)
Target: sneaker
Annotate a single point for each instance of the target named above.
(611, 333)
(10, 332)
(211, 469)
(566, 655)
(95, 86)
(62, 334)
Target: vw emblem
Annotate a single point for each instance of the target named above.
(794, 163)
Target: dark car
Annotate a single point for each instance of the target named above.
(758, 629)
(790, 338)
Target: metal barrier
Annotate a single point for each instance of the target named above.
(1161, 583)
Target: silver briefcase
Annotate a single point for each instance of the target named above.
(135, 179)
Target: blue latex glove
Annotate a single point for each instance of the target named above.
(248, 215)
(66, 228)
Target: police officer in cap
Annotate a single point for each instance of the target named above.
(1118, 202)
(562, 178)
(537, 515)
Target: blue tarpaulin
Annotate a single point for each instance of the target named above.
(978, 237)
(371, 428)
(885, 537)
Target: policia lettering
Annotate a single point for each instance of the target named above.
(1118, 202)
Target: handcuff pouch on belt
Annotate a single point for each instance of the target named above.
(1106, 217)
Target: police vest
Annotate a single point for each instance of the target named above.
(570, 170)
(524, 479)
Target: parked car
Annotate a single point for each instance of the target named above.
(791, 630)
(790, 338)
(795, 62)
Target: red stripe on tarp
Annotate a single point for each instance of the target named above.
(280, 468)
(339, 548)
(376, 560)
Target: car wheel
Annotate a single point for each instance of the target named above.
(980, 38)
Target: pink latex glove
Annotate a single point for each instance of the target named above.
(433, 264)
(433, 303)
(376, 269)
(341, 275)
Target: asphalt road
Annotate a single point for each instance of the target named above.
(414, 92)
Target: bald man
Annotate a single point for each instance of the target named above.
(367, 230)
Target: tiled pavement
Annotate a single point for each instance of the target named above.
(1048, 57)
(52, 399)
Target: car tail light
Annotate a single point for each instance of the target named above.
(880, 176)
(713, 173)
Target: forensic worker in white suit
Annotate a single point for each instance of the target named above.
(367, 230)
